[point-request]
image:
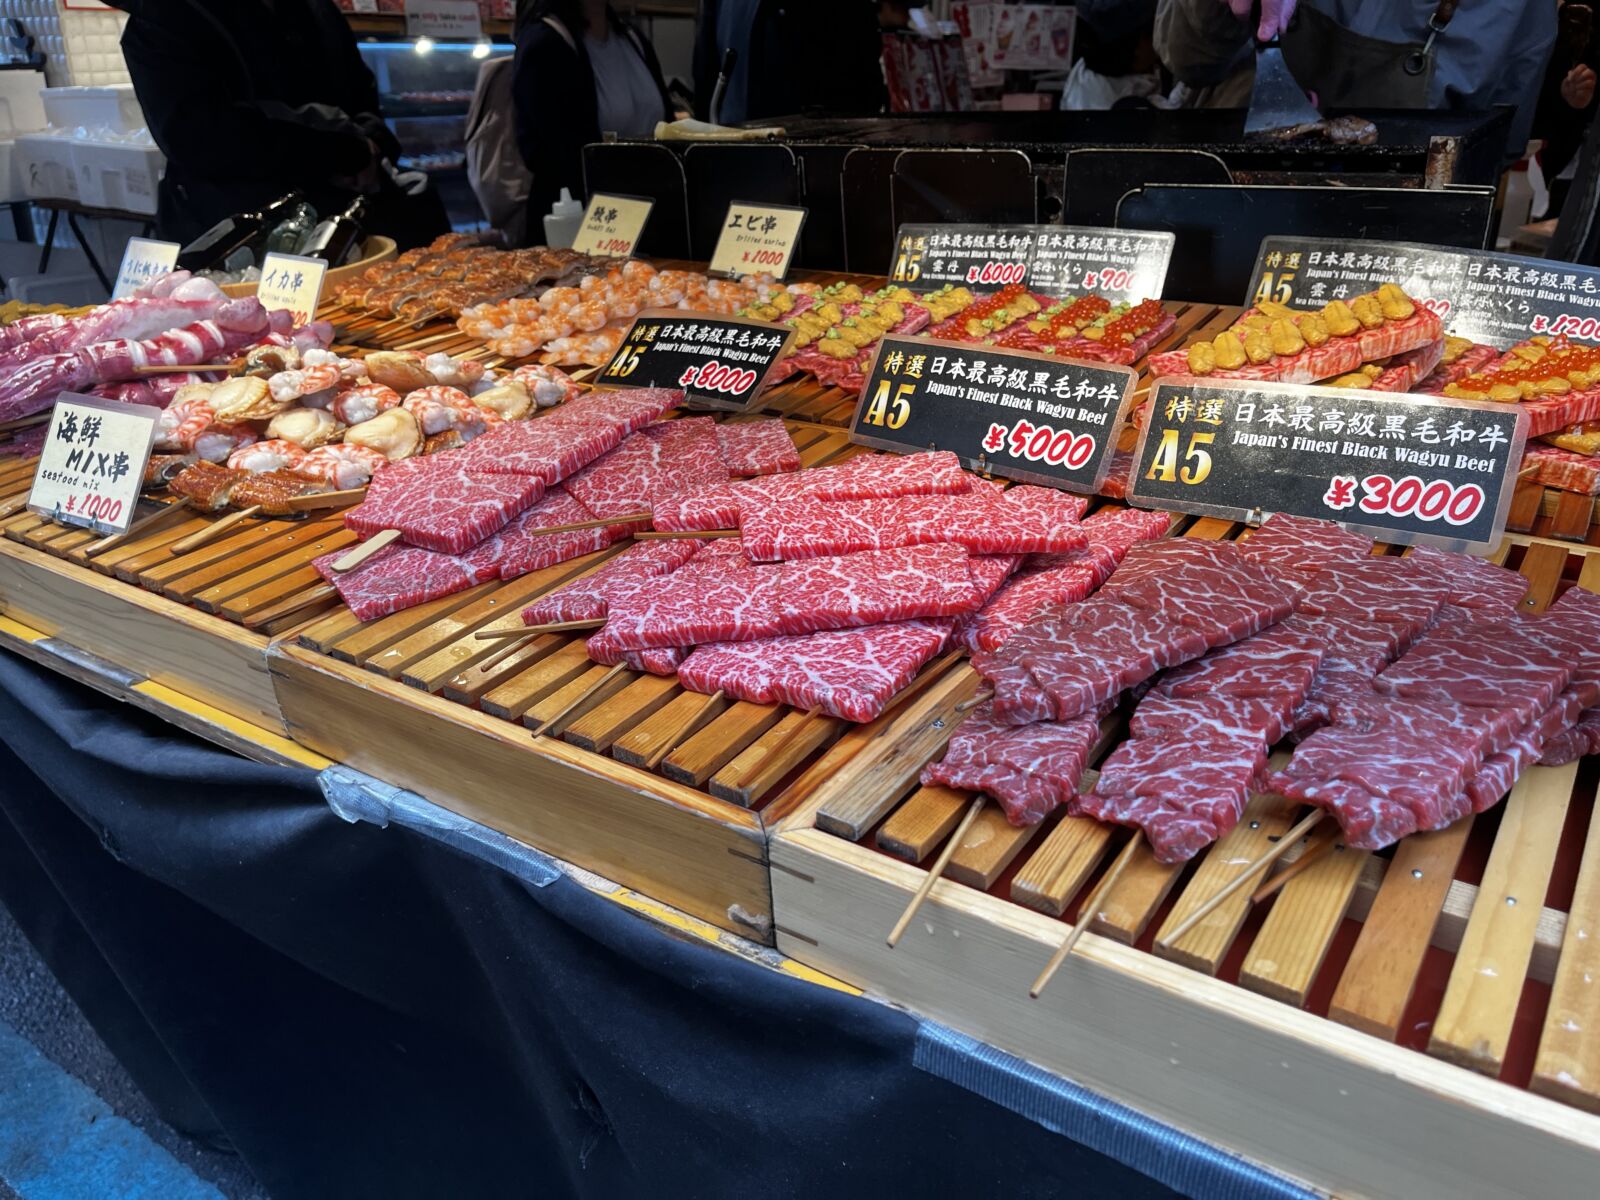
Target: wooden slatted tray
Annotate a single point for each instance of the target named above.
(725, 766)
(373, 694)
(1386, 1024)
(48, 584)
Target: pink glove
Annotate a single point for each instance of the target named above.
(1275, 15)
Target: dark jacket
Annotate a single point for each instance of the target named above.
(558, 112)
(793, 55)
(248, 99)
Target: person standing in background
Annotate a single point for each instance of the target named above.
(252, 98)
(581, 72)
(792, 55)
(1566, 101)
(1435, 54)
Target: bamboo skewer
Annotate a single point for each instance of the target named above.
(292, 605)
(1313, 853)
(1087, 914)
(601, 523)
(684, 533)
(142, 525)
(28, 422)
(532, 631)
(198, 369)
(319, 500)
(1269, 857)
(683, 730)
(365, 550)
(505, 652)
(551, 727)
(936, 870)
(969, 705)
(210, 534)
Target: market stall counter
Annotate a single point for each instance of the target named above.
(410, 1005)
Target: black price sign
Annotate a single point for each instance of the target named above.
(721, 362)
(1025, 416)
(1056, 260)
(1398, 467)
(1497, 299)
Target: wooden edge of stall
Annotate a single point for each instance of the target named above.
(1338, 1109)
(638, 829)
(204, 721)
(198, 656)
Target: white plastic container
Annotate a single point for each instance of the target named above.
(562, 222)
(121, 175)
(21, 107)
(114, 109)
(47, 167)
(12, 185)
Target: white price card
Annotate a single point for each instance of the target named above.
(292, 282)
(143, 261)
(613, 224)
(364, 6)
(93, 462)
(758, 239)
(448, 20)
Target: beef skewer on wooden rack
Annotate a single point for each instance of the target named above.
(686, 797)
(1468, 946)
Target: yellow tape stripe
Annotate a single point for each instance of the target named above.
(278, 745)
(706, 932)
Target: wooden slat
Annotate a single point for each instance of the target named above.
(1571, 518)
(754, 773)
(1382, 969)
(438, 649)
(1058, 869)
(860, 795)
(1568, 1063)
(334, 627)
(273, 594)
(248, 590)
(605, 723)
(1542, 564)
(1524, 506)
(703, 754)
(593, 687)
(514, 697)
(374, 636)
(988, 849)
(473, 684)
(151, 546)
(1589, 575)
(1203, 947)
(1138, 895)
(645, 740)
(433, 656)
(209, 587)
(1293, 941)
(923, 822)
(1480, 1004)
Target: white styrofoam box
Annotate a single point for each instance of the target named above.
(21, 108)
(115, 109)
(48, 169)
(59, 287)
(122, 175)
(12, 185)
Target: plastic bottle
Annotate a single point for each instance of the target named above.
(562, 221)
